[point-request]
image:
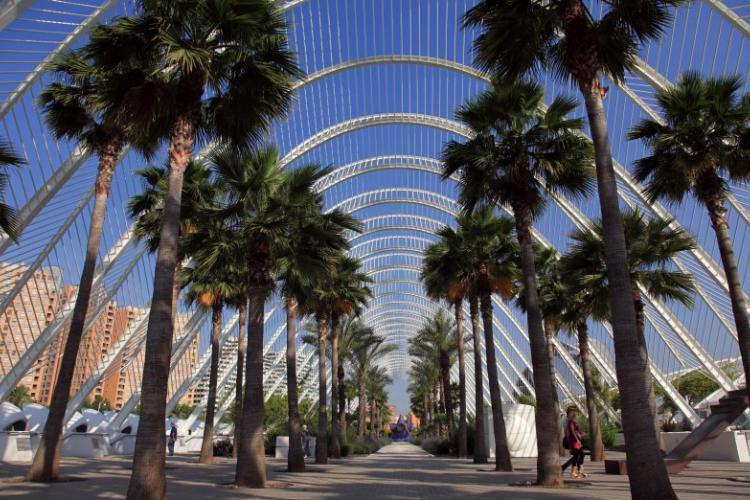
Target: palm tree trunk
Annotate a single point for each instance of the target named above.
(46, 464)
(342, 401)
(238, 387)
(207, 445)
(251, 461)
(548, 468)
(717, 213)
(647, 473)
(296, 456)
(462, 447)
(335, 431)
(321, 444)
(480, 448)
(549, 334)
(373, 410)
(597, 447)
(362, 407)
(447, 399)
(147, 481)
(502, 453)
(426, 414)
(640, 321)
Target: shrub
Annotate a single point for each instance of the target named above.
(609, 435)
(443, 447)
(223, 448)
(345, 449)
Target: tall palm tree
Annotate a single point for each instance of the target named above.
(701, 149)
(314, 241)
(237, 50)
(568, 306)
(8, 158)
(567, 37)
(147, 208)
(85, 104)
(446, 273)
(424, 375)
(480, 446)
(353, 333)
(263, 204)
(518, 153)
(341, 291)
(238, 301)
(364, 357)
(651, 244)
(493, 251)
(377, 380)
(436, 341)
(348, 292)
(209, 286)
(548, 280)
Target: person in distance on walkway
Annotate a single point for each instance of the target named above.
(574, 442)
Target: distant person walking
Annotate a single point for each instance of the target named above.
(172, 438)
(574, 442)
(306, 441)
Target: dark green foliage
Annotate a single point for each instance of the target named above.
(182, 411)
(609, 433)
(223, 448)
(20, 396)
(443, 447)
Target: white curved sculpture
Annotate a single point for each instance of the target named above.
(520, 429)
(11, 417)
(36, 416)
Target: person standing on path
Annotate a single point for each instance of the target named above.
(574, 442)
(172, 438)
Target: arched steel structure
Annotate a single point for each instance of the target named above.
(384, 78)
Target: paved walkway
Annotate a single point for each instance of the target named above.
(397, 471)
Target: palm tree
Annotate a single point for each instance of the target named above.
(424, 375)
(84, 104)
(377, 379)
(353, 332)
(209, 287)
(147, 208)
(238, 301)
(342, 291)
(263, 204)
(436, 342)
(347, 292)
(525, 36)
(315, 240)
(480, 446)
(8, 158)
(651, 244)
(237, 50)
(446, 273)
(518, 153)
(364, 357)
(568, 306)
(701, 148)
(489, 242)
(550, 303)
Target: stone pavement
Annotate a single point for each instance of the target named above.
(397, 471)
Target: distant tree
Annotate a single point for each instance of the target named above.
(99, 403)
(275, 413)
(20, 395)
(182, 411)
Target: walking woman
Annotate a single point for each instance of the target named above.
(574, 442)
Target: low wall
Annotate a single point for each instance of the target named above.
(16, 447)
(729, 446)
(85, 444)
